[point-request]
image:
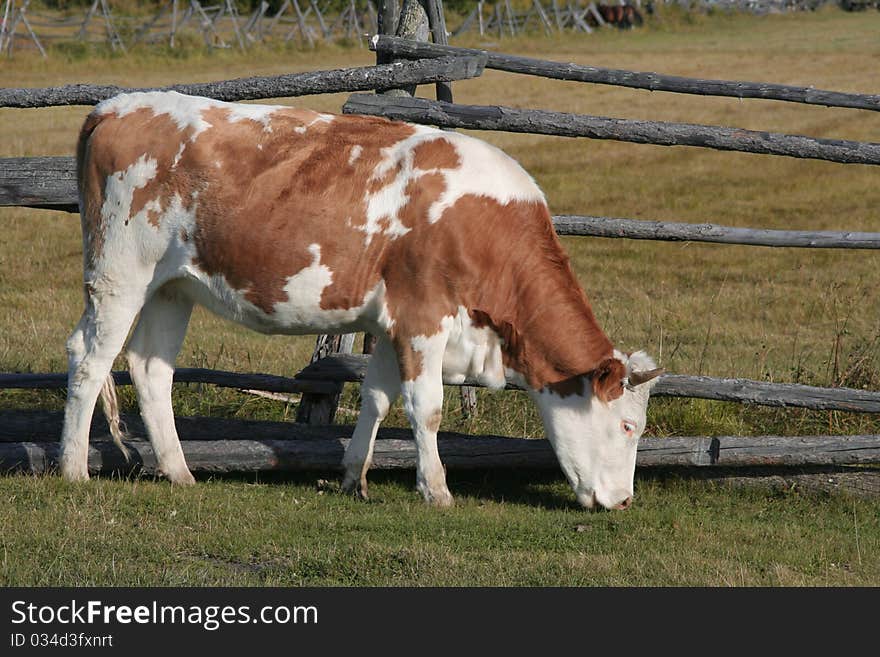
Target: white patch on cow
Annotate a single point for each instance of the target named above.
(179, 154)
(218, 164)
(301, 313)
(354, 154)
(259, 147)
(319, 118)
(423, 402)
(483, 171)
(384, 205)
(472, 353)
(186, 111)
(120, 187)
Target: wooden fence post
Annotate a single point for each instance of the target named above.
(321, 408)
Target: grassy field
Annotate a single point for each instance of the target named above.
(792, 315)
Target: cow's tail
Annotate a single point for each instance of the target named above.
(88, 127)
(109, 399)
(110, 404)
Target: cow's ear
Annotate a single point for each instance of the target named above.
(607, 379)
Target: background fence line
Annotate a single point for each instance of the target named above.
(392, 46)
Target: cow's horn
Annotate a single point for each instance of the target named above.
(638, 378)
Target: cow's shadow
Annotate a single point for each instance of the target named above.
(538, 488)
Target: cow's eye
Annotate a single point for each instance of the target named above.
(628, 427)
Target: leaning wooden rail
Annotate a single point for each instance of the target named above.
(351, 368)
(396, 47)
(325, 375)
(29, 442)
(510, 119)
(671, 231)
(382, 76)
(50, 183)
(246, 381)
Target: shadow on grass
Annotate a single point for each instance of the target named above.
(537, 488)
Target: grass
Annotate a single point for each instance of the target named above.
(809, 316)
(507, 530)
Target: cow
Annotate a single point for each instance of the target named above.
(291, 221)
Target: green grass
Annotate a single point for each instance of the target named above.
(792, 315)
(507, 530)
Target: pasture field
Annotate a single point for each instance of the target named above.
(808, 316)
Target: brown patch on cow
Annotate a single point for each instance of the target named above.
(409, 361)
(436, 154)
(109, 145)
(576, 385)
(433, 422)
(607, 379)
(293, 185)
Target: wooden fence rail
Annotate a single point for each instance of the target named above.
(50, 183)
(29, 442)
(324, 376)
(381, 76)
(682, 232)
(661, 133)
(396, 47)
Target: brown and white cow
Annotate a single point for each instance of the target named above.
(291, 221)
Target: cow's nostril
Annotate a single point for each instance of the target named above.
(625, 504)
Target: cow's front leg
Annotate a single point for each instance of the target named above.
(422, 387)
(379, 390)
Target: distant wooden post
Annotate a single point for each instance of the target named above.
(82, 35)
(4, 22)
(173, 24)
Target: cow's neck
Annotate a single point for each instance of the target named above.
(550, 333)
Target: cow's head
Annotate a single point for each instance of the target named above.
(595, 428)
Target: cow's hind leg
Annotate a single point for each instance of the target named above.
(422, 390)
(152, 350)
(379, 390)
(91, 349)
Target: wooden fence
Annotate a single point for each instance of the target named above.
(27, 439)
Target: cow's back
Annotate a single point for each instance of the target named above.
(290, 220)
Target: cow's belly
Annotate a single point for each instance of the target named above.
(299, 314)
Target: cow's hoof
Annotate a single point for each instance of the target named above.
(181, 478)
(74, 474)
(356, 487)
(439, 499)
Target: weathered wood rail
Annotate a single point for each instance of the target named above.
(50, 183)
(352, 368)
(381, 76)
(564, 124)
(242, 381)
(28, 442)
(390, 46)
(324, 376)
(670, 231)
